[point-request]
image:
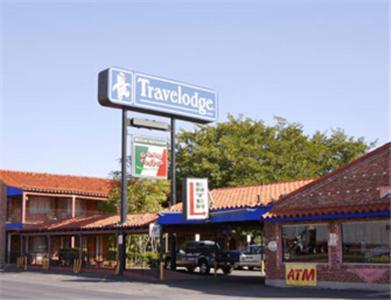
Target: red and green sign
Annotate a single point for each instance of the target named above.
(149, 158)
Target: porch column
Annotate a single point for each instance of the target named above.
(9, 237)
(97, 247)
(80, 247)
(73, 206)
(24, 205)
(21, 245)
(27, 242)
(161, 255)
(49, 240)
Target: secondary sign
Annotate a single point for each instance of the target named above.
(154, 230)
(149, 157)
(196, 204)
(300, 274)
(155, 95)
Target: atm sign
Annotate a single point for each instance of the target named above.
(300, 274)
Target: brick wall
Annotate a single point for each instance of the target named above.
(334, 270)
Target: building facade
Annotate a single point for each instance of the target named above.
(335, 231)
(33, 199)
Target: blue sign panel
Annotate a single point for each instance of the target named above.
(155, 95)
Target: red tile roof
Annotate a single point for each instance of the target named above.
(355, 187)
(94, 222)
(251, 195)
(58, 184)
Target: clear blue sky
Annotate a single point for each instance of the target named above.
(321, 63)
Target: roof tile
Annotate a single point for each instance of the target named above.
(251, 195)
(58, 184)
(354, 187)
(94, 222)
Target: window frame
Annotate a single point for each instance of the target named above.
(305, 224)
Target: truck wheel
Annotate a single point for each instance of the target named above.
(190, 269)
(204, 267)
(227, 270)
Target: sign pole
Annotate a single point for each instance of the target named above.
(173, 164)
(173, 191)
(124, 189)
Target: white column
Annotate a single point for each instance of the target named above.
(24, 206)
(73, 206)
(9, 248)
(166, 242)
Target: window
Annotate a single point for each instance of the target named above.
(38, 244)
(305, 243)
(366, 242)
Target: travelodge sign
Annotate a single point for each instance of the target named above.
(155, 95)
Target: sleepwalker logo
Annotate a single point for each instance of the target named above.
(120, 87)
(150, 94)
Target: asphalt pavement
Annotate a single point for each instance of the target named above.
(240, 285)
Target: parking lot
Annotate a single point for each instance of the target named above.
(36, 285)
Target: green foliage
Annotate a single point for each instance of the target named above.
(144, 258)
(245, 151)
(143, 196)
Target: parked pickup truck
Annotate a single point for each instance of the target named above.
(204, 254)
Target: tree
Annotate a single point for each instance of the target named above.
(245, 151)
(142, 195)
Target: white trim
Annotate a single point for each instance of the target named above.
(24, 207)
(73, 206)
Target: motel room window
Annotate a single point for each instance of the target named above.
(366, 242)
(305, 243)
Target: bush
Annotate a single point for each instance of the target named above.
(151, 259)
(148, 258)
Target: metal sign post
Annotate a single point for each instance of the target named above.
(173, 191)
(124, 189)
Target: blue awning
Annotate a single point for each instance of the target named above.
(13, 191)
(245, 214)
(13, 226)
